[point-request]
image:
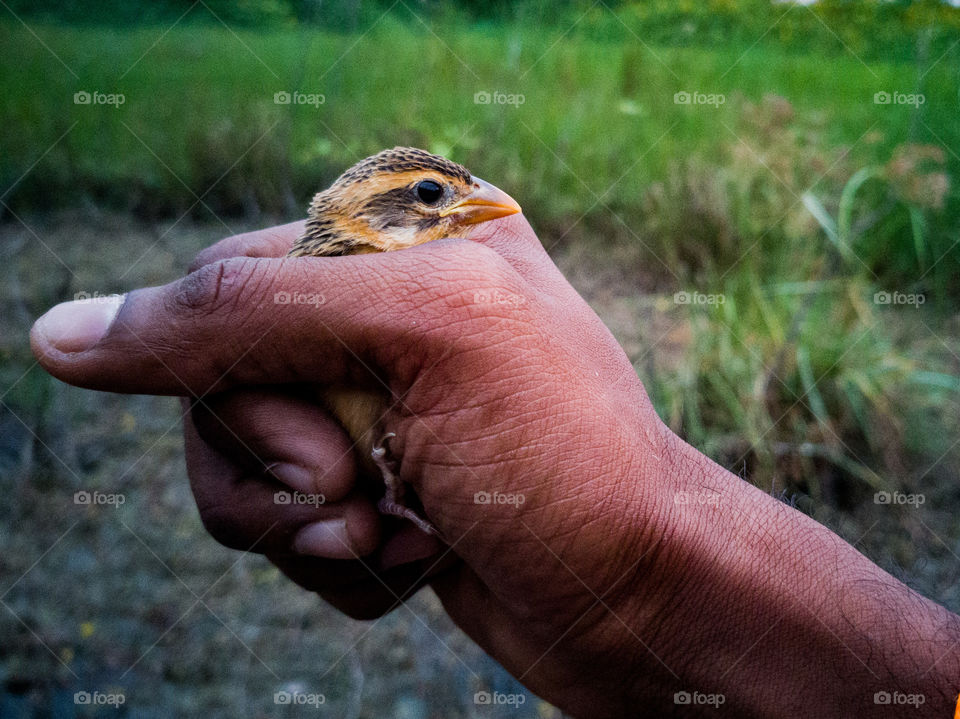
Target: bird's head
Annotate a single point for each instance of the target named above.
(396, 199)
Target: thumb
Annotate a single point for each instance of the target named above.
(246, 320)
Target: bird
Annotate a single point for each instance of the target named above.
(393, 200)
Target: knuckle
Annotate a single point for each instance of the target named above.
(486, 291)
(477, 259)
(199, 292)
(459, 295)
(217, 286)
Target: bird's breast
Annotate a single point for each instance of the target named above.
(360, 412)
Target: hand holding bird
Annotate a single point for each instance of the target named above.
(591, 582)
(393, 200)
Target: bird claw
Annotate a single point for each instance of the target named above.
(380, 449)
(392, 502)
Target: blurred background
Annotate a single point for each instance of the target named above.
(760, 199)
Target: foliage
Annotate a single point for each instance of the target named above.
(778, 198)
(872, 29)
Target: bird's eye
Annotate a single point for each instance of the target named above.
(429, 191)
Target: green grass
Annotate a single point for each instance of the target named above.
(598, 106)
(739, 198)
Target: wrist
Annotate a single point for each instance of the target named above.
(739, 582)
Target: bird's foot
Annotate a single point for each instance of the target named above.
(398, 510)
(392, 502)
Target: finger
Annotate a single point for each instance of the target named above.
(246, 321)
(286, 436)
(514, 239)
(362, 589)
(271, 242)
(257, 514)
(355, 591)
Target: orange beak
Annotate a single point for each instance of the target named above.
(485, 202)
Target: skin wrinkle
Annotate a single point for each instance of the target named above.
(508, 393)
(409, 303)
(204, 291)
(552, 560)
(217, 288)
(799, 619)
(474, 364)
(462, 329)
(561, 460)
(154, 345)
(427, 402)
(480, 423)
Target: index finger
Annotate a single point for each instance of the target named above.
(269, 242)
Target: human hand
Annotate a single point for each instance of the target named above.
(597, 589)
(507, 385)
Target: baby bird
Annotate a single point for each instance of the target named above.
(392, 200)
